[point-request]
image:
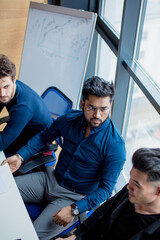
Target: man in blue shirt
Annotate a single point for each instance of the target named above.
(28, 113)
(89, 164)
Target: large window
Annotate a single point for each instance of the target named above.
(106, 64)
(150, 48)
(143, 128)
(112, 12)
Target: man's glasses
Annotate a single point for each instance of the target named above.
(92, 110)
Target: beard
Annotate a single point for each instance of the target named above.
(8, 97)
(94, 122)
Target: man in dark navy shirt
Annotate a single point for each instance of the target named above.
(134, 212)
(92, 157)
(28, 114)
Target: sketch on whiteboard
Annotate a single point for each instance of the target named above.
(52, 34)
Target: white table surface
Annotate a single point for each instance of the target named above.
(15, 222)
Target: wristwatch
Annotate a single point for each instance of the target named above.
(75, 210)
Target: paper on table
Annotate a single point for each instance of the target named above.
(4, 186)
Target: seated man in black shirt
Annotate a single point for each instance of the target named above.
(134, 212)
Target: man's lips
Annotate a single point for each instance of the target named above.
(130, 194)
(3, 98)
(95, 120)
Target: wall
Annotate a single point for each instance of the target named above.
(13, 19)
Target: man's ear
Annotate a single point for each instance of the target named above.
(158, 191)
(82, 104)
(14, 80)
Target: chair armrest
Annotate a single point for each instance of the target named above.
(26, 167)
(50, 147)
(47, 148)
(4, 119)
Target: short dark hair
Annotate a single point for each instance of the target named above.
(99, 87)
(7, 68)
(147, 160)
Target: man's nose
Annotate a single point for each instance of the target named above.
(130, 187)
(97, 113)
(2, 92)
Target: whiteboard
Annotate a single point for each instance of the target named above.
(56, 49)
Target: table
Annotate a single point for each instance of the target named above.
(15, 223)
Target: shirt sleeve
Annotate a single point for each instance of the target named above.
(111, 168)
(37, 142)
(18, 118)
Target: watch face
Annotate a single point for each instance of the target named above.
(75, 211)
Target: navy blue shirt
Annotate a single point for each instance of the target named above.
(89, 166)
(28, 115)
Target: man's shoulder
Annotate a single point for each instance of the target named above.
(21, 86)
(73, 115)
(69, 117)
(25, 94)
(115, 133)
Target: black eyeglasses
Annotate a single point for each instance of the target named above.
(93, 109)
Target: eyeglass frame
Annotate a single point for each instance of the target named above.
(92, 109)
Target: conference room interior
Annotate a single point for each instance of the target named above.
(124, 50)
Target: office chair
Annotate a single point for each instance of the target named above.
(57, 102)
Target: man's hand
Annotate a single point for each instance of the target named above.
(68, 238)
(14, 163)
(63, 216)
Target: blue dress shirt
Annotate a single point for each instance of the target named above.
(28, 115)
(89, 166)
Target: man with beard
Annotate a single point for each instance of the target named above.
(92, 157)
(28, 113)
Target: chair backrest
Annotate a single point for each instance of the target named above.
(57, 102)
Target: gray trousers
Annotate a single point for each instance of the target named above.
(40, 186)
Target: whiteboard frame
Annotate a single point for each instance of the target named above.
(61, 10)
